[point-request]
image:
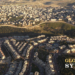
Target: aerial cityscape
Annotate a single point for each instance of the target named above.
(26, 15)
(37, 37)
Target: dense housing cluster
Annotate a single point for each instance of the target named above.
(26, 15)
(22, 51)
(49, 67)
(11, 50)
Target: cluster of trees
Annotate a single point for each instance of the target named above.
(3, 68)
(15, 18)
(42, 53)
(34, 68)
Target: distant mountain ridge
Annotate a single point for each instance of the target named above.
(53, 3)
(32, 0)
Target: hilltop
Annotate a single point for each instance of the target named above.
(56, 28)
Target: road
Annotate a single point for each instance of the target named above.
(56, 66)
(30, 61)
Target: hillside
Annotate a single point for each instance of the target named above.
(57, 28)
